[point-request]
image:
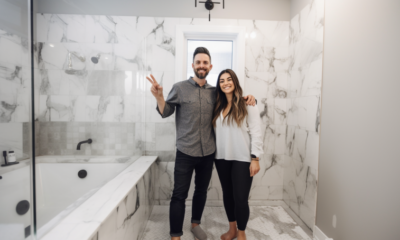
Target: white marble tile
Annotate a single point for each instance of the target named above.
(267, 33)
(266, 192)
(11, 48)
(150, 136)
(166, 180)
(125, 30)
(125, 57)
(76, 58)
(78, 108)
(108, 228)
(271, 171)
(132, 107)
(300, 188)
(265, 222)
(92, 108)
(103, 52)
(100, 29)
(14, 94)
(297, 112)
(312, 79)
(165, 136)
(76, 28)
(313, 107)
(280, 135)
(312, 21)
(280, 115)
(61, 27)
(60, 108)
(44, 112)
(11, 139)
(78, 82)
(52, 56)
(53, 82)
(42, 26)
(312, 149)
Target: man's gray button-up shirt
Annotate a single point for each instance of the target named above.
(193, 119)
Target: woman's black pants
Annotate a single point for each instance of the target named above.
(236, 183)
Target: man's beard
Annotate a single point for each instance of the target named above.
(201, 75)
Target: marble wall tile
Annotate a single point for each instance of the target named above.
(14, 49)
(267, 184)
(303, 108)
(125, 30)
(150, 136)
(108, 138)
(14, 93)
(11, 138)
(104, 52)
(100, 29)
(52, 55)
(165, 140)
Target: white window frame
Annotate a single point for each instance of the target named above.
(235, 34)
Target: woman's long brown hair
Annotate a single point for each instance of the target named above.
(238, 110)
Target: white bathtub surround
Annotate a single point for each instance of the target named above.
(14, 187)
(303, 112)
(112, 210)
(267, 222)
(86, 159)
(60, 190)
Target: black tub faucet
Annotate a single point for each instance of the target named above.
(79, 144)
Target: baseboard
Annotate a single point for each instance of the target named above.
(319, 235)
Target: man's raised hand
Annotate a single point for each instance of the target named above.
(156, 89)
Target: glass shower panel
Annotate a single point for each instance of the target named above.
(89, 84)
(16, 195)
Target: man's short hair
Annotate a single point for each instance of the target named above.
(201, 50)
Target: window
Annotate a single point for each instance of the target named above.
(221, 56)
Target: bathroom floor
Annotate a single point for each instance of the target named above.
(265, 223)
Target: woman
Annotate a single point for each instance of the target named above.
(239, 145)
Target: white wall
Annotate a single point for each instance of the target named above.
(359, 150)
(276, 10)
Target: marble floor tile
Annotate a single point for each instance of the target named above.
(265, 223)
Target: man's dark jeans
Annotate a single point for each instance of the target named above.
(184, 166)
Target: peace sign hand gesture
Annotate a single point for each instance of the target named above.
(156, 89)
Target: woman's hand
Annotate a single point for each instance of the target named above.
(254, 168)
(250, 100)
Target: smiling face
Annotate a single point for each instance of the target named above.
(201, 65)
(226, 83)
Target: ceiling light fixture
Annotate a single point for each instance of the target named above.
(210, 6)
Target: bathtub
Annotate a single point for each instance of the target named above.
(114, 201)
(15, 186)
(59, 189)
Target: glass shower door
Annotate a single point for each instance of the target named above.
(16, 194)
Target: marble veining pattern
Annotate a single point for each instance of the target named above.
(301, 141)
(283, 71)
(266, 223)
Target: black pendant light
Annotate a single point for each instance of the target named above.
(210, 6)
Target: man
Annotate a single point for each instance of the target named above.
(194, 101)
